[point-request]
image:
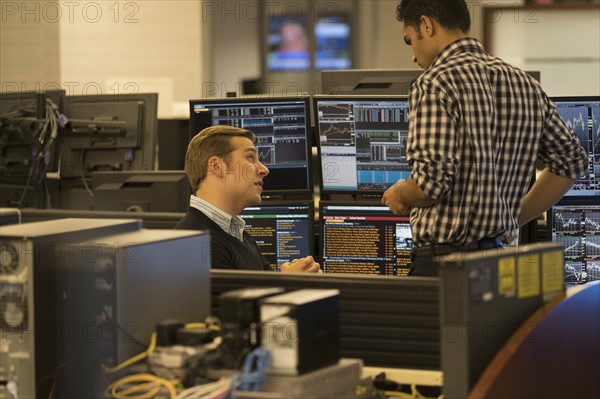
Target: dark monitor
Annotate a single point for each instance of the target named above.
(139, 191)
(375, 81)
(109, 133)
(582, 114)
(283, 135)
(173, 139)
(575, 223)
(368, 81)
(362, 142)
(364, 238)
(283, 231)
(332, 37)
(386, 322)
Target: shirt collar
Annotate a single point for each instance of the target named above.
(232, 225)
(465, 44)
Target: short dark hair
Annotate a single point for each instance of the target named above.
(451, 14)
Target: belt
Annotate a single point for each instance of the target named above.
(445, 249)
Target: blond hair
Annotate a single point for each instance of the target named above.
(212, 141)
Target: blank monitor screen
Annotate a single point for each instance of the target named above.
(362, 142)
(282, 128)
(362, 238)
(576, 224)
(282, 231)
(582, 114)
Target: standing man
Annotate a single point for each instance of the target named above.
(226, 176)
(476, 127)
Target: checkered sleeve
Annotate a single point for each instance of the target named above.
(561, 150)
(432, 147)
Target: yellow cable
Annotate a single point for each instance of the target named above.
(137, 357)
(415, 393)
(146, 386)
(398, 394)
(147, 378)
(213, 327)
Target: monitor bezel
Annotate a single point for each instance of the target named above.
(349, 97)
(306, 99)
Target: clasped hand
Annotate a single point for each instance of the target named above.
(302, 265)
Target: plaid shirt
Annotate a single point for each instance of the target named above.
(476, 127)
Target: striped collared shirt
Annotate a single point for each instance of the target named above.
(231, 225)
(476, 127)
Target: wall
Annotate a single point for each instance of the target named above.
(101, 47)
(29, 47)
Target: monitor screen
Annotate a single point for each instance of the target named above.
(287, 44)
(109, 133)
(363, 238)
(576, 224)
(362, 142)
(332, 36)
(582, 114)
(282, 231)
(283, 136)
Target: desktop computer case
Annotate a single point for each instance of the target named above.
(31, 296)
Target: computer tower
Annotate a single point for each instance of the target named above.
(31, 298)
(120, 289)
(485, 298)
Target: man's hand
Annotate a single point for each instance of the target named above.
(302, 265)
(391, 198)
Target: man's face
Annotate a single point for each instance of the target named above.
(245, 173)
(422, 54)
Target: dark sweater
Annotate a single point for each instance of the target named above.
(227, 252)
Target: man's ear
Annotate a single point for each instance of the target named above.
(427, 26)
(216, 166)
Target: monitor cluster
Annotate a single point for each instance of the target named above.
(575, 220)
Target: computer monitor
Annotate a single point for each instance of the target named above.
(29, 127)
(364, 238)
(332, 37)
(287, 44)
(582, 114)
(362, 142)
(386, 322)
(368, 81)
(109, 133)
(283, 135)
(283, 231)
(375, 81)
(575, 222)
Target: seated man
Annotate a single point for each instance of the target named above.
(226, 176)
